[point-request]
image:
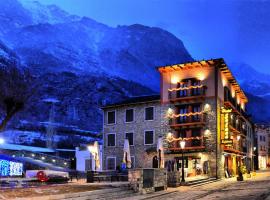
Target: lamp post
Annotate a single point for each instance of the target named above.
(182, 145)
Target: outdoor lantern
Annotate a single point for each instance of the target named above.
(238, 137)
(169, 136)
(182, 144)
(207, 108)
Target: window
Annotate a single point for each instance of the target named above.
(111, 117)
(129, 136)
(132, 161)
(111, 140)
(182, 110)
(129, 115)
(182, 92)
(196, 91)
(149, 113)
(196, 133)
(149, 137)
(196, 108)
(111, 163)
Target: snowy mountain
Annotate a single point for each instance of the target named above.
(251, 80)
(81, 63)
(257, 87)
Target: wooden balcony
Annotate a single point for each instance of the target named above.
(235, 148)
(188, 95)
(191, 145)
(191, 121)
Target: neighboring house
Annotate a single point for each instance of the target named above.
(201, 103)
(262, 135)
(85, 161)
(138, 119)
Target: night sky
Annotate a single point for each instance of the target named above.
(238, 31)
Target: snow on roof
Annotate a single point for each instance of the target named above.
(26, 148)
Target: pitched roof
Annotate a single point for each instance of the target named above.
(135, 100)
(220, 63)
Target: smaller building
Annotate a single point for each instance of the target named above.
(139, 119)
(85, 160)
(262, 135)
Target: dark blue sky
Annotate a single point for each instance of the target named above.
(237, 30)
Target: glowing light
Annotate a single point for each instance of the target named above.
(65, 163)
(207, 108)
(92, 149)
(182, 144)
(53, 160)
(33, 155)
(170, 112)
(201, 76)
(186, 114)
(233, 93)
(243, 105)
(43, 158)
(2, 141)
(238, 100)
(238, 137)
(169, 135)
(10, 168)
(207, 132)
(224, 82)
(186, 88)
(174, 80)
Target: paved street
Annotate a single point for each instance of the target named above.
(257, 187)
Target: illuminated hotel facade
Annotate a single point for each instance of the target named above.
(200, 103)
(207, 109)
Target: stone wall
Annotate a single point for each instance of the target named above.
(142, 153)
(136, 179)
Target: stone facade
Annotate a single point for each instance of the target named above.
(142, 153)
(139, 180)
(196, 94)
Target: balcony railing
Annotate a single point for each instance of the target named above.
(187, 93)
(238, 127)
(191, 144)
(188, 120)
(236, 147)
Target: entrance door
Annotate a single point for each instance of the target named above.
(155, 162)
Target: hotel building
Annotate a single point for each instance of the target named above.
(200, 103)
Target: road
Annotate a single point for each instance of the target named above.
(257, 187)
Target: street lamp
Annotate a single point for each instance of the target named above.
(2, 141)
(182, 145)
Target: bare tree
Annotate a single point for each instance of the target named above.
(16, 86)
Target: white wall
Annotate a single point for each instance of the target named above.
(82, 155)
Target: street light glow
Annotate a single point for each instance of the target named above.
(2, 141)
